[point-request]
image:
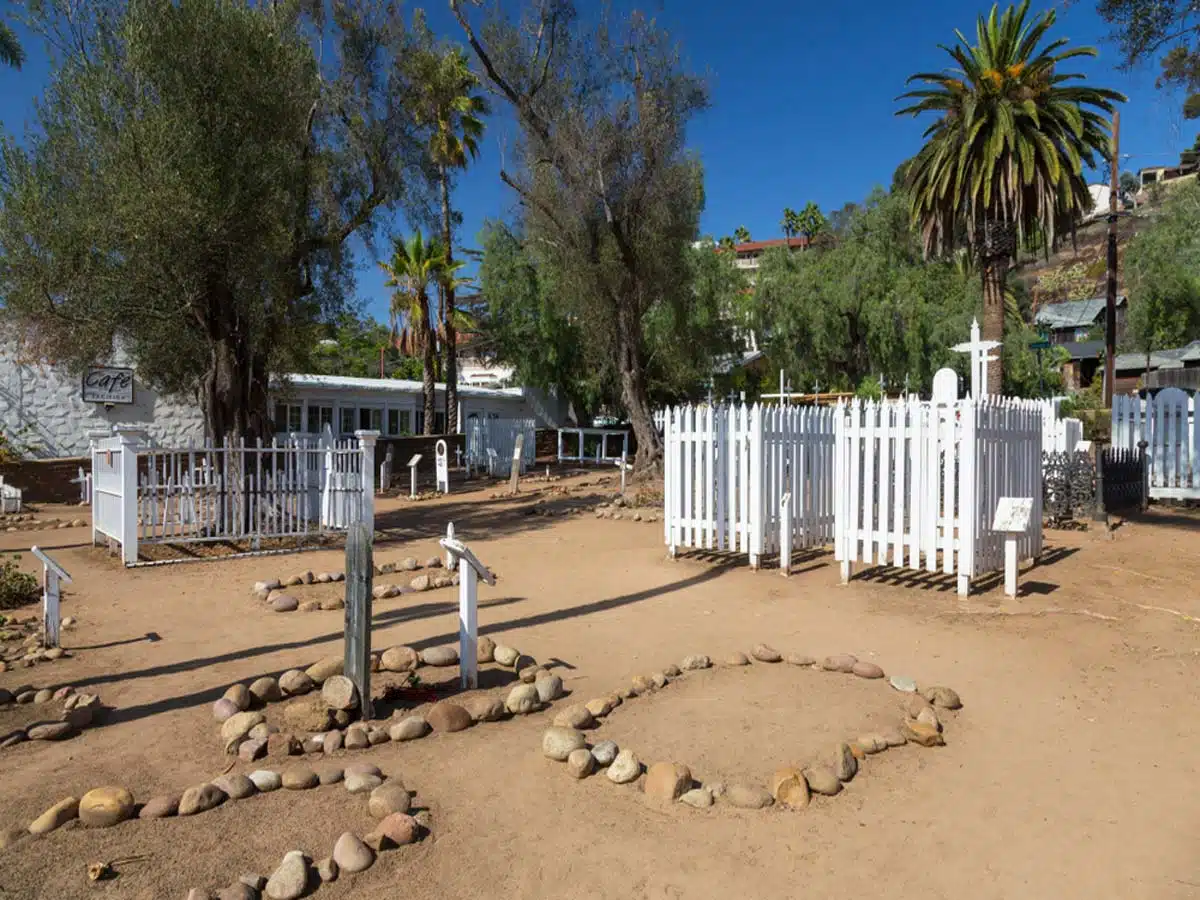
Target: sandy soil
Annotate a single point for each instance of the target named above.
(1067, 774)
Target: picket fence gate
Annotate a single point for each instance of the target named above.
(490, 445)
(919, 483)
(727, 470)
(295, 486)
(1170, 427)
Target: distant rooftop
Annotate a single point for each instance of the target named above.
(1159, 359)
(1072, 313)
(391, 385)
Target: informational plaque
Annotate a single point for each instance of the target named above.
(1013, 514)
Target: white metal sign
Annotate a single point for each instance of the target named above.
(108, 384)
(470, 569)
(52, 573)
(1013, 514)
(412, 473)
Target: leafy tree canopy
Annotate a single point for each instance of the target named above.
(195, 173)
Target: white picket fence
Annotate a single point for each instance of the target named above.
(296, 487)
(1169, 425)
(900, 483)
(1060, 435)
(10, 498)
(490, 444)
(919, 483)
(727, 469)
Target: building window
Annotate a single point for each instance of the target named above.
(370, 419)
(346, 421)
(405, 422)
(419, 426)
(439, 423)
(393, 421)
(288, 417)
(319, 417)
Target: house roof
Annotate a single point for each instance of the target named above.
(756, 246)
(391, 385)
(729, 363)
(1072, 313)
(1084, 349)
(1159, 359)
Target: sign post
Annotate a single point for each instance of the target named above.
(52, 573)
(442, 464)
(412, 474)
(470, 570)
(1012, 518)
(514, 471)
(360, 572)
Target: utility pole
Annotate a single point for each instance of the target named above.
(1110, 309)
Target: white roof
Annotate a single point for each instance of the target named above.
(393, 385)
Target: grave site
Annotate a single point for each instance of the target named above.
(833, 650)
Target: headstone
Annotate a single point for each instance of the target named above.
(514, 472)
(385, 470)
(360, 570)
(945, 387)
(443, 467)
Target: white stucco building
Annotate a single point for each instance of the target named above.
(44, 413)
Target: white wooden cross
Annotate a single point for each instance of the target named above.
(625, 467)
(52, 572)
(443, 467)
(412, 474)
(470, 569)
(1012, 518)
(979, 359)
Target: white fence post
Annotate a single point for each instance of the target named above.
(969, 462)
(128, 440)
(756, 485)
(366, 446)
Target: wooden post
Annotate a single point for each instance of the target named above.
(468, 624)
(1110, 304)
(1010, 564)
(449, 560)
(360, 571)
(623, 465)
(1145, 468)
(514, 472)
(785, 535)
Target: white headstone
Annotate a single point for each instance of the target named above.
(443, 467)
(1012, 518)
(945, 387)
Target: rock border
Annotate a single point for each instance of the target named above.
(792, 787)
(27, 631)
(389, 801)
(245, 732)
(78, 712)
(275, 591)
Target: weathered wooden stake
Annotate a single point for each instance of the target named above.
(360, 571)
(514, 472)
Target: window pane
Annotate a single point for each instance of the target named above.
(439, 423)
(347, 423)
(377, 420)
(295, 417)
(393, 421)
(420, 421)
(280, 415)
(405, 422)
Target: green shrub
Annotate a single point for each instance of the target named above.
(17, 588)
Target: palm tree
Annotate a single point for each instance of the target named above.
(789, 223)
(811, 221)
(449, 106)
(1006, 153)
(11, 52)
(741, 234)
(414, 265)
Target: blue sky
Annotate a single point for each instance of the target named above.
(803, 102)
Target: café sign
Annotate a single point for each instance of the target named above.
(108, 384)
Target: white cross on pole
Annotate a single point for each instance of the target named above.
(470, 569)
(979, 359)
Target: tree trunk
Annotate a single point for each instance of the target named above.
(997, 243)
(994, 272)
(448, 314)
(634, 394)
(429, 361)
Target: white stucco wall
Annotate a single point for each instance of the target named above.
(42, 411)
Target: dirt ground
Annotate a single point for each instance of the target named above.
(1066, 774)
